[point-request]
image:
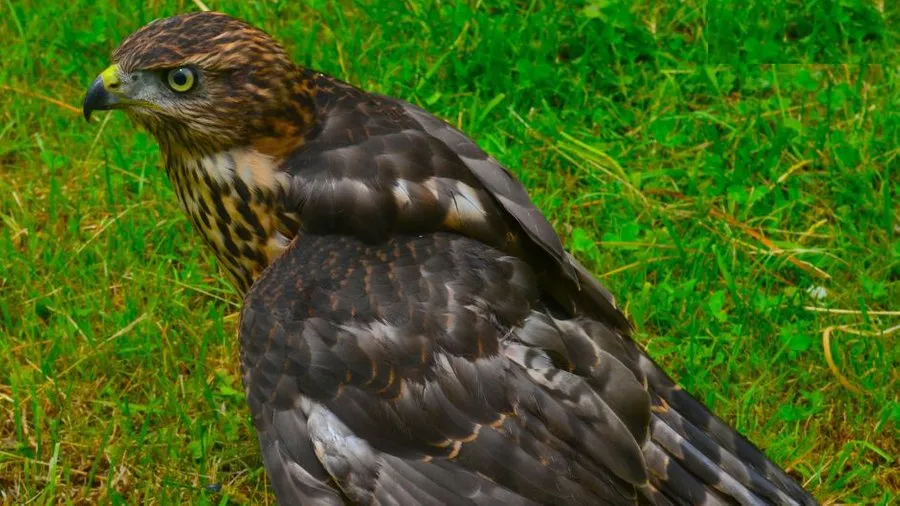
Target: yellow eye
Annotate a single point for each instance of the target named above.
(181, 80)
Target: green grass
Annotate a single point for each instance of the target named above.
(711, 161)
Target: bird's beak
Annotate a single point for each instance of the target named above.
(104, 93)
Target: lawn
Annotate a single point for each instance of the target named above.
(730, 170)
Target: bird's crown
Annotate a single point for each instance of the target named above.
(211, 40)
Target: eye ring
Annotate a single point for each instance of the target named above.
(181, 79)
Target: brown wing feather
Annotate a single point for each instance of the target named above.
(417, 379)
(426, 369)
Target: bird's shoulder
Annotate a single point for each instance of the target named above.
(374, 165)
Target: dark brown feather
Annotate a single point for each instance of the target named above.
(411, 388)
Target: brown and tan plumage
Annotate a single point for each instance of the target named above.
(413, 331)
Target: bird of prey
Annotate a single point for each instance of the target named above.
(413, 331)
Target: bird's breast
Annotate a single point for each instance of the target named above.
(234, 199)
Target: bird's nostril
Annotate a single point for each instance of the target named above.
(113, 85)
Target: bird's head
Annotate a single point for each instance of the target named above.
(205, 82)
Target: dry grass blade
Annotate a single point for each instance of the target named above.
(45, 98)
(850, 311)
(756, 234)
(829, 358)
(752, 232)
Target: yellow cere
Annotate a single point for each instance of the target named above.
(110, 77)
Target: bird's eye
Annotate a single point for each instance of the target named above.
(181, 79)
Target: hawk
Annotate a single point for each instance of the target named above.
(413, 331)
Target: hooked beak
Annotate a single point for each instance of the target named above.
(103, 94)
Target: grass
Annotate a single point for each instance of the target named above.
(730, 170)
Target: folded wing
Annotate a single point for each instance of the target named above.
(426, 370)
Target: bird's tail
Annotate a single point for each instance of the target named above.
(693, 456)
(697, 458)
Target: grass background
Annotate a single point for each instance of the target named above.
(725, 167)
